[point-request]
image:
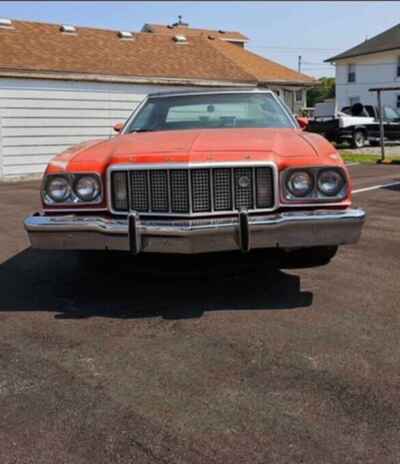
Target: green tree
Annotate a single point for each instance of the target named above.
(324, 90)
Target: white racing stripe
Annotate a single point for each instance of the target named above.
(375, 187)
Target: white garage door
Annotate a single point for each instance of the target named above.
(40, 118)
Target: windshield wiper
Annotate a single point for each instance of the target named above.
(142, 130)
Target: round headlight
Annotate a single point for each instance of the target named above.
(58, 189)
(330, 182)
(300, 183)
(87, 188)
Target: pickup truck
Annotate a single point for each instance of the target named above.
(356, 124)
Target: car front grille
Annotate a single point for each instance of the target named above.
(187, 191)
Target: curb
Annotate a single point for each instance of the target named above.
(388, 162)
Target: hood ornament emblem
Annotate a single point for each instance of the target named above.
(244, 181)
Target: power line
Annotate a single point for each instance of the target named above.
(294, 48)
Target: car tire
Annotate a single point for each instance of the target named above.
(359, 139)
(308, 257)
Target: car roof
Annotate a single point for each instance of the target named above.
(178, 93)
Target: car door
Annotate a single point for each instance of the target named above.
(391, 123)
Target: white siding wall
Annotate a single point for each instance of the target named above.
(40, 118)
(377, 70)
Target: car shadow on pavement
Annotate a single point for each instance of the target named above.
(56, 281)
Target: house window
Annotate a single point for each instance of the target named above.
(351, 73)
(299, 96)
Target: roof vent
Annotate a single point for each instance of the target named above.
(180, 23)
(181, 39)
(68, 29)
(5, 22)
(125, 35)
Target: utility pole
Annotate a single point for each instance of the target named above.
(299, 64)
(381, 127)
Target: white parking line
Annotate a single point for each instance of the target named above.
(375, 187)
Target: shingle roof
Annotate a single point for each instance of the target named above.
(42, 48)
(388, 40)
(264, 70)
(190, 31)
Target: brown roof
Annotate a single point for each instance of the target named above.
(190, 31)
(264, 70)
(39, 47)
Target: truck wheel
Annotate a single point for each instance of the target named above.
(358, 140)
(308, 257)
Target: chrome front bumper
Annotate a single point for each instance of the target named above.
(243, 232)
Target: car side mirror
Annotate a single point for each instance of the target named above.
(118, 126)
(303, 122)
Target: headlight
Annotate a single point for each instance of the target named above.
(72, 189)
(87, 188)
(58, 189)
(330, 182)
(300, 183)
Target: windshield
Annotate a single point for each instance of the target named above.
(210, 111)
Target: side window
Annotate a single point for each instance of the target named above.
(390, 114)
(398, 101)
(144, 117)
(398, 66)
(351, 73)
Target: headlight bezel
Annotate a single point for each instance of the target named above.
(50, 182)
(340, 185)
(315, 195)
(290, 187)
(73, 199)
(97, 188)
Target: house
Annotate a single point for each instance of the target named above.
(62, 84)
(373, 63)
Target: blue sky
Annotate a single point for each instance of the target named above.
(280, 31)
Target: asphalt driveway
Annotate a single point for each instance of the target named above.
(281, 367)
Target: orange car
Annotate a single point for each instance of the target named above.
(199, 172)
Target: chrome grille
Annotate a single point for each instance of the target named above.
(179, 179)
(201, 190)
(222, 189)
(243, 193)
(158, 191)
(139, 200)
(194, 191)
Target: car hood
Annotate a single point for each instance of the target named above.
(283, 146)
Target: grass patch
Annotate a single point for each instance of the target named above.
(350, 157)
